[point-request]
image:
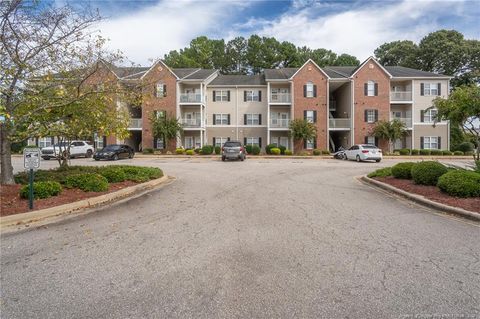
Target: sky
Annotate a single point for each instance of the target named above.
(146, 30)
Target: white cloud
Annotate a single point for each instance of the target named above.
(168, 25)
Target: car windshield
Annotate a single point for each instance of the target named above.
(111, 148)
(369, 146)
(232, 144)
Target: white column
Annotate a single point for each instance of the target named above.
(268, 113)
(201, 92)
(178, 115)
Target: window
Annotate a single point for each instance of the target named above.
(160, 145)
(370, 88)
(310, 116)
(160, 89)
(99, 142)
(429, 115)
(310, 144)
(430, 142)
(309, 89)
(221, 96)
(370, 116)
(252, 119)
(252, 96)
(219, 141)
(431, 89)
(188, 142)
(221, 119)
(371, 140)
(252, 141)
(44, 142)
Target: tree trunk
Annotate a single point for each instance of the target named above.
(6, 167)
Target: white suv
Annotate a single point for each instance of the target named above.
(77, 148)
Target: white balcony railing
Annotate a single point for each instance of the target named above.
(190, 98)
(401, 96)
(339, 123)
(280, 98)
(191, 122)
(135, 123)
(406, 120)
(279, 123)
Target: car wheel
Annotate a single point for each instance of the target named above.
(378, 161)
(115, 157)
(345, 158)
(88, 154)
(358, 158)
(97, 159)
(223, 158)
(46, 158)
(130, 155)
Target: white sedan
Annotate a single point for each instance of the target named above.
(364, 152)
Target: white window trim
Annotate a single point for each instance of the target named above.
(310, 119)
(310, 144)
(370, 88)
(220, 118)
(253, 141)
(430, 142)
(370, 116)
(254, 119)
(221, 95)
(309, 89)
(427, 91)
(219, 141)
(159, 89)
(44, 142)
(371, 140)
(252, 96)
(428, 114)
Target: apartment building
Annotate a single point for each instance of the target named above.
(343, 102)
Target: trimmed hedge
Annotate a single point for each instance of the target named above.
(458, 153)
(269, 147)
(460, 183)
(403, 170)
(113, 174)
(325, 152)
(282, 149)
(275, 151)
(255, 150)
(465, 147)
(317, 152)
(415, 152)
(87, 182)
(207, 149)
(427, 172)
(436, 152)
(42, 189)
(249, 149)
(425, 152)
(179, 151)
(404, 151)
(288, 152)
(147, 151)
(446, 152)
(218, 150)
(190, 152)
(197, 150)
(381, 172)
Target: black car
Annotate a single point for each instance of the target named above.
(114, 152)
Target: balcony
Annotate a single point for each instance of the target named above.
(332, 105)
(401, 96)
(191, 98)
(280, 98)
(339, 124)
(135, 124)
(279, 123)
(406, 120)
(191, 123)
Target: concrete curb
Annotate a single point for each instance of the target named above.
(422, 200)
(78, 206)
(418, 157)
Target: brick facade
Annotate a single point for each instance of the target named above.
(370, 71)
(151, 103)
(311, 73)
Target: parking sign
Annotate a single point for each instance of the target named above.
(31, 158)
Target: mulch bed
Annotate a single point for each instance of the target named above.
(433, 193)
(11, 203)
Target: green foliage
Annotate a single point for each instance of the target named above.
(197, 150)
(255, 150)
(415, 152)
(288, 152)
(458, 153)
(269, 147)
(249, 149)
(390, 131)
(465, 147)
(275, 151)
(179, 151)
(404, 151)
(190, 152)
(113, 174)
(218, 150)
(325, 152)
(402, 53)
(446, 152)
(460, 183)
(87, 182)
(436, 152)
(427, 172)
(147, 151)
(403, 170)
(140, 174)
(301, 130)
(425, 152)
(207, 149)
(282, 149)
(317, 152)
(381, 172)
(43, 189)
(166, 127)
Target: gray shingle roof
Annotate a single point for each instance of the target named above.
(257, 79)
(400, 71)
(201, 74)
(183, 72)
(279, 74)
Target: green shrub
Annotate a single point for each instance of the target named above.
(325, 152)
(469, 153)
(113, 174)
(288, 152)
(458, 153)
(87, 182)
(303, 153)
(316, 152)
(218, 150)
(269, 147)
(140, 174)
(147, 151)
(446, 152)
(415, 152)
(465, 147)
(460, 183)
(255, 150)
(425, 152)
(404, 151)
(207, 149)
(403, 170)
(197, 150)
(381, 172)
(282, 149)
(190, 152)
(42, 189)
(179, 151)
(249, 149)
(436, 152)
(58, 175)
(275, 151)
(427, 172)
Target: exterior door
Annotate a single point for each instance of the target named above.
(188, 142)
(284, 141)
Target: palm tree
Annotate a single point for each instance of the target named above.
(165, 127)
(390, 131)
(302, 130)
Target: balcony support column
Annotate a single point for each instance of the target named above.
(268, 113)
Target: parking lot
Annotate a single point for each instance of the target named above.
(254, 239)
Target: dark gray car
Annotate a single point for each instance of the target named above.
(233, 150)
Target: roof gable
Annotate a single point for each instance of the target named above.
(316, 65)
(159, 62)
(368, 60)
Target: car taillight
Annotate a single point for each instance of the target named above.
(241, 149)
(365, 151)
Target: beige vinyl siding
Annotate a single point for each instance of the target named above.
(429, 130)
(424, 102)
